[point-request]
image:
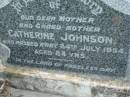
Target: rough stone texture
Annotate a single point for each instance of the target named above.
(107, 92)
(56, 87)
(25, 93)
(67, 89)
(53, 84)
(119, 5)
(26, 82)
(4, 53)
(62, 84)
(36, 83)
(4, 88)
(86, 40)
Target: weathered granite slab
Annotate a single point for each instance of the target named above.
(25, 93)
(96, 92)
(4, 55)
(32, 83)
(82, 36)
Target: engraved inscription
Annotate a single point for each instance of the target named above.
(83, 36)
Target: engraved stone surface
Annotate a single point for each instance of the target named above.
(83, 36)
(4, 3)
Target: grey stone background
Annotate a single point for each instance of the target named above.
(51, 86)
(120, 5)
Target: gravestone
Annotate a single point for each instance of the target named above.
(82, 36)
